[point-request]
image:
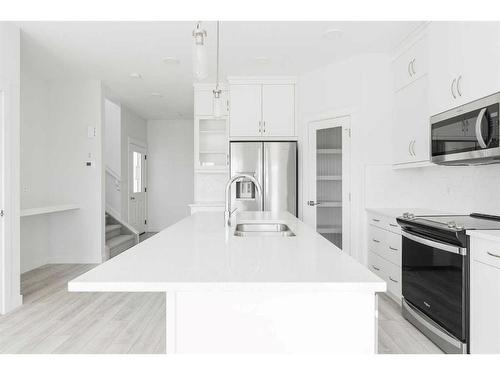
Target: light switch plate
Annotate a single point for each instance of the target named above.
(91, 132)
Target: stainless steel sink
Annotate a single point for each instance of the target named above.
(263, 229)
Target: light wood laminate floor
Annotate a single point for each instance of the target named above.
(396, 335)
(52, 320)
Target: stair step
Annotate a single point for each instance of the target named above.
(112, 227)
(118, 240)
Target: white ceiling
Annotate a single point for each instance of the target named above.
(111, 51)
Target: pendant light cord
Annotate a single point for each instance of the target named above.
(217, 81)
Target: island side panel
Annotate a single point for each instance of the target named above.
(272, 322)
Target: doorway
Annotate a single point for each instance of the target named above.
(137, 177)
(328, 184)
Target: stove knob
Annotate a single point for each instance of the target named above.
(405, 215)
(451, 224)
(411, 216)
(459, 227)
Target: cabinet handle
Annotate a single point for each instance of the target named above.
(260, 127)
(409, 68)
(394, 281)
(409, 148)
(413, 67)
(376, 220)
(376, 241)
(453, 88)
(459, 91)
(264, 124)
(493, 254)
(375, 268)
(393, 248)
(393, 225)
(413, 148)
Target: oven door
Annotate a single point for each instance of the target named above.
(435, 281)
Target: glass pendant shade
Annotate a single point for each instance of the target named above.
(200, 61)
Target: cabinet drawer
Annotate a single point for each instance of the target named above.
(375, 264)
(392, 250)
(376, 240)
(384, 222)
(486, 251)
(393, 279)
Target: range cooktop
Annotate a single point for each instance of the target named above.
(457, 222)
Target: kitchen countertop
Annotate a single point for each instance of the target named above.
(395, 212)
(199, 253)
(493, 235)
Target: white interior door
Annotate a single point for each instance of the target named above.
(328, 180)
(137, 189)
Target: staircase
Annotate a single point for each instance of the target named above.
(119, 237)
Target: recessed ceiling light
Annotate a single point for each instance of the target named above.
(135, 75)
(262, 59)
(332, 33)
(157, 94)
(171, 60)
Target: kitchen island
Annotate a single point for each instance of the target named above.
(263, 293)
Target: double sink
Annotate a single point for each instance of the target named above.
(263, 229)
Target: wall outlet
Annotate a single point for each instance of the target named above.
(89, 163)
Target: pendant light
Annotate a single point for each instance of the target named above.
(217, 100)
(200, 60)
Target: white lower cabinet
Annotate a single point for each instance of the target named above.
(384, 252)
(485, 296)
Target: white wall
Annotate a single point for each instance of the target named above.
(170, 172)
(35, 184)
(113, 157)
(133, 127)
(362, 88)
(454, 189)
(55, 119)
(10, 296)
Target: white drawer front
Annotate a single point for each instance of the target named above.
(393, 248)
(486, 251)
(394, 280)
(376, 265)
(384, 222)
(376, 239)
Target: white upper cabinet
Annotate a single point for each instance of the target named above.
(204, 100)
(464, 59)
(260, 109)
(411, 64)
(411, 118)
(246, 110)
(278, 110)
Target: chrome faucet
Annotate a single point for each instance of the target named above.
(227, 211)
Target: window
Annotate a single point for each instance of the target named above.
(137, 170)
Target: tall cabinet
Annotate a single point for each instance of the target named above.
(211, 152)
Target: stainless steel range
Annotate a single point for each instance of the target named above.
(435, 282)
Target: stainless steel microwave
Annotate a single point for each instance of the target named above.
(468, 134)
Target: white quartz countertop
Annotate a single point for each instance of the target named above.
(493, 235)
(199, 253)
(395, 212)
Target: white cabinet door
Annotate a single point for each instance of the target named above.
(485, 309)
(445, 58)
(480, 43)
(411, 65)
(411, 143)
(204, 100)
(278, 110)
(245, 110)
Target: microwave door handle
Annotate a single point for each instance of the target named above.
(479, 136)
(438, 245)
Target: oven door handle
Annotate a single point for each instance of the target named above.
(438, 245)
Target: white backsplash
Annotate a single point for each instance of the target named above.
(454, 189)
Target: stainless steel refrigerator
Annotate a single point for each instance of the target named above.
(274, 165)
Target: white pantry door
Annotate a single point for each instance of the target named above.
(327, 206)
(137, 188)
